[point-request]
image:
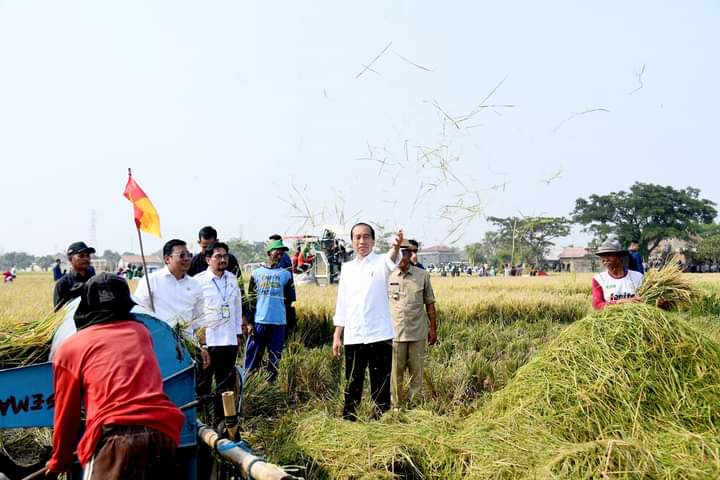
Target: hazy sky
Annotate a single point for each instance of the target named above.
(229, 111)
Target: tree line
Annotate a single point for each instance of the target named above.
(646, 212)
(245, 251)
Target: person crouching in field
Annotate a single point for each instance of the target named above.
(412, 304)
(132, 429)
(616, 285)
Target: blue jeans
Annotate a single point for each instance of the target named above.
(268, 336)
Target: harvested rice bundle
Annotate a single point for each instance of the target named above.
(26, 446)
(627, 392)
(407, 445)
(28, 342)
(667, 287)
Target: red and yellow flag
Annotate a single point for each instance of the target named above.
(146, 217)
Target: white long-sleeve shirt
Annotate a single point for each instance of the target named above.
(362, 303)
(176, 301)
(222, 325)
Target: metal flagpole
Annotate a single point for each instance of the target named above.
(142, 255)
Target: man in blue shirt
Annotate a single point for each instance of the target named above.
(286, 264)
(57, 271)
(271, 293)
(635, 261)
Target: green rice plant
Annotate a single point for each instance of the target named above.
(706, 304)
(308, 373)
(261, 398)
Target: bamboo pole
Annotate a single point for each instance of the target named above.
(228, 401)
(142, 255)
(250, 466)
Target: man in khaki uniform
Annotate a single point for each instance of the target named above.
(412, 306)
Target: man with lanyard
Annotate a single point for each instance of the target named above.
(109, 367)
(224, 322)
(177, 298)
(412, 306)
(68, 287)
(362, 320)
(271, 293)
(615, 285)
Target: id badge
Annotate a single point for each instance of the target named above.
(225, 311)
(395, 291)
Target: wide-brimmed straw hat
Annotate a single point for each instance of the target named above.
(611, 246)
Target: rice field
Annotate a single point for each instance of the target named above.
(525, 382)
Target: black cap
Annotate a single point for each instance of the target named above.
(105, 297)
(79, 247)
(108, 291)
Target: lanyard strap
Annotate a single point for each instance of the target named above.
(222, 295)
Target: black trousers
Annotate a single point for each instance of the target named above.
(377, 357)
(222, 367)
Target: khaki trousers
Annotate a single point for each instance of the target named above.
(410, 356)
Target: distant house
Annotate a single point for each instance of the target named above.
(154, 262)
(439, 254)
(578, 259)
(551, 260)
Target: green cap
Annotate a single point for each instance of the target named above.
(276, 245)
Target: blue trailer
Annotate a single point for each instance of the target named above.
(27, 400)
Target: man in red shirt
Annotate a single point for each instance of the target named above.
(616, 285)
(132, 429)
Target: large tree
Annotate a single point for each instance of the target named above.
(475, 254)
(708, 249)
(45, 262)
(648, 213)
(529, 238)
(247, 252)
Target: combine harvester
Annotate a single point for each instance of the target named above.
(27, 400)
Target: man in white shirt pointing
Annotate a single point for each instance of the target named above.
(362, 320)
